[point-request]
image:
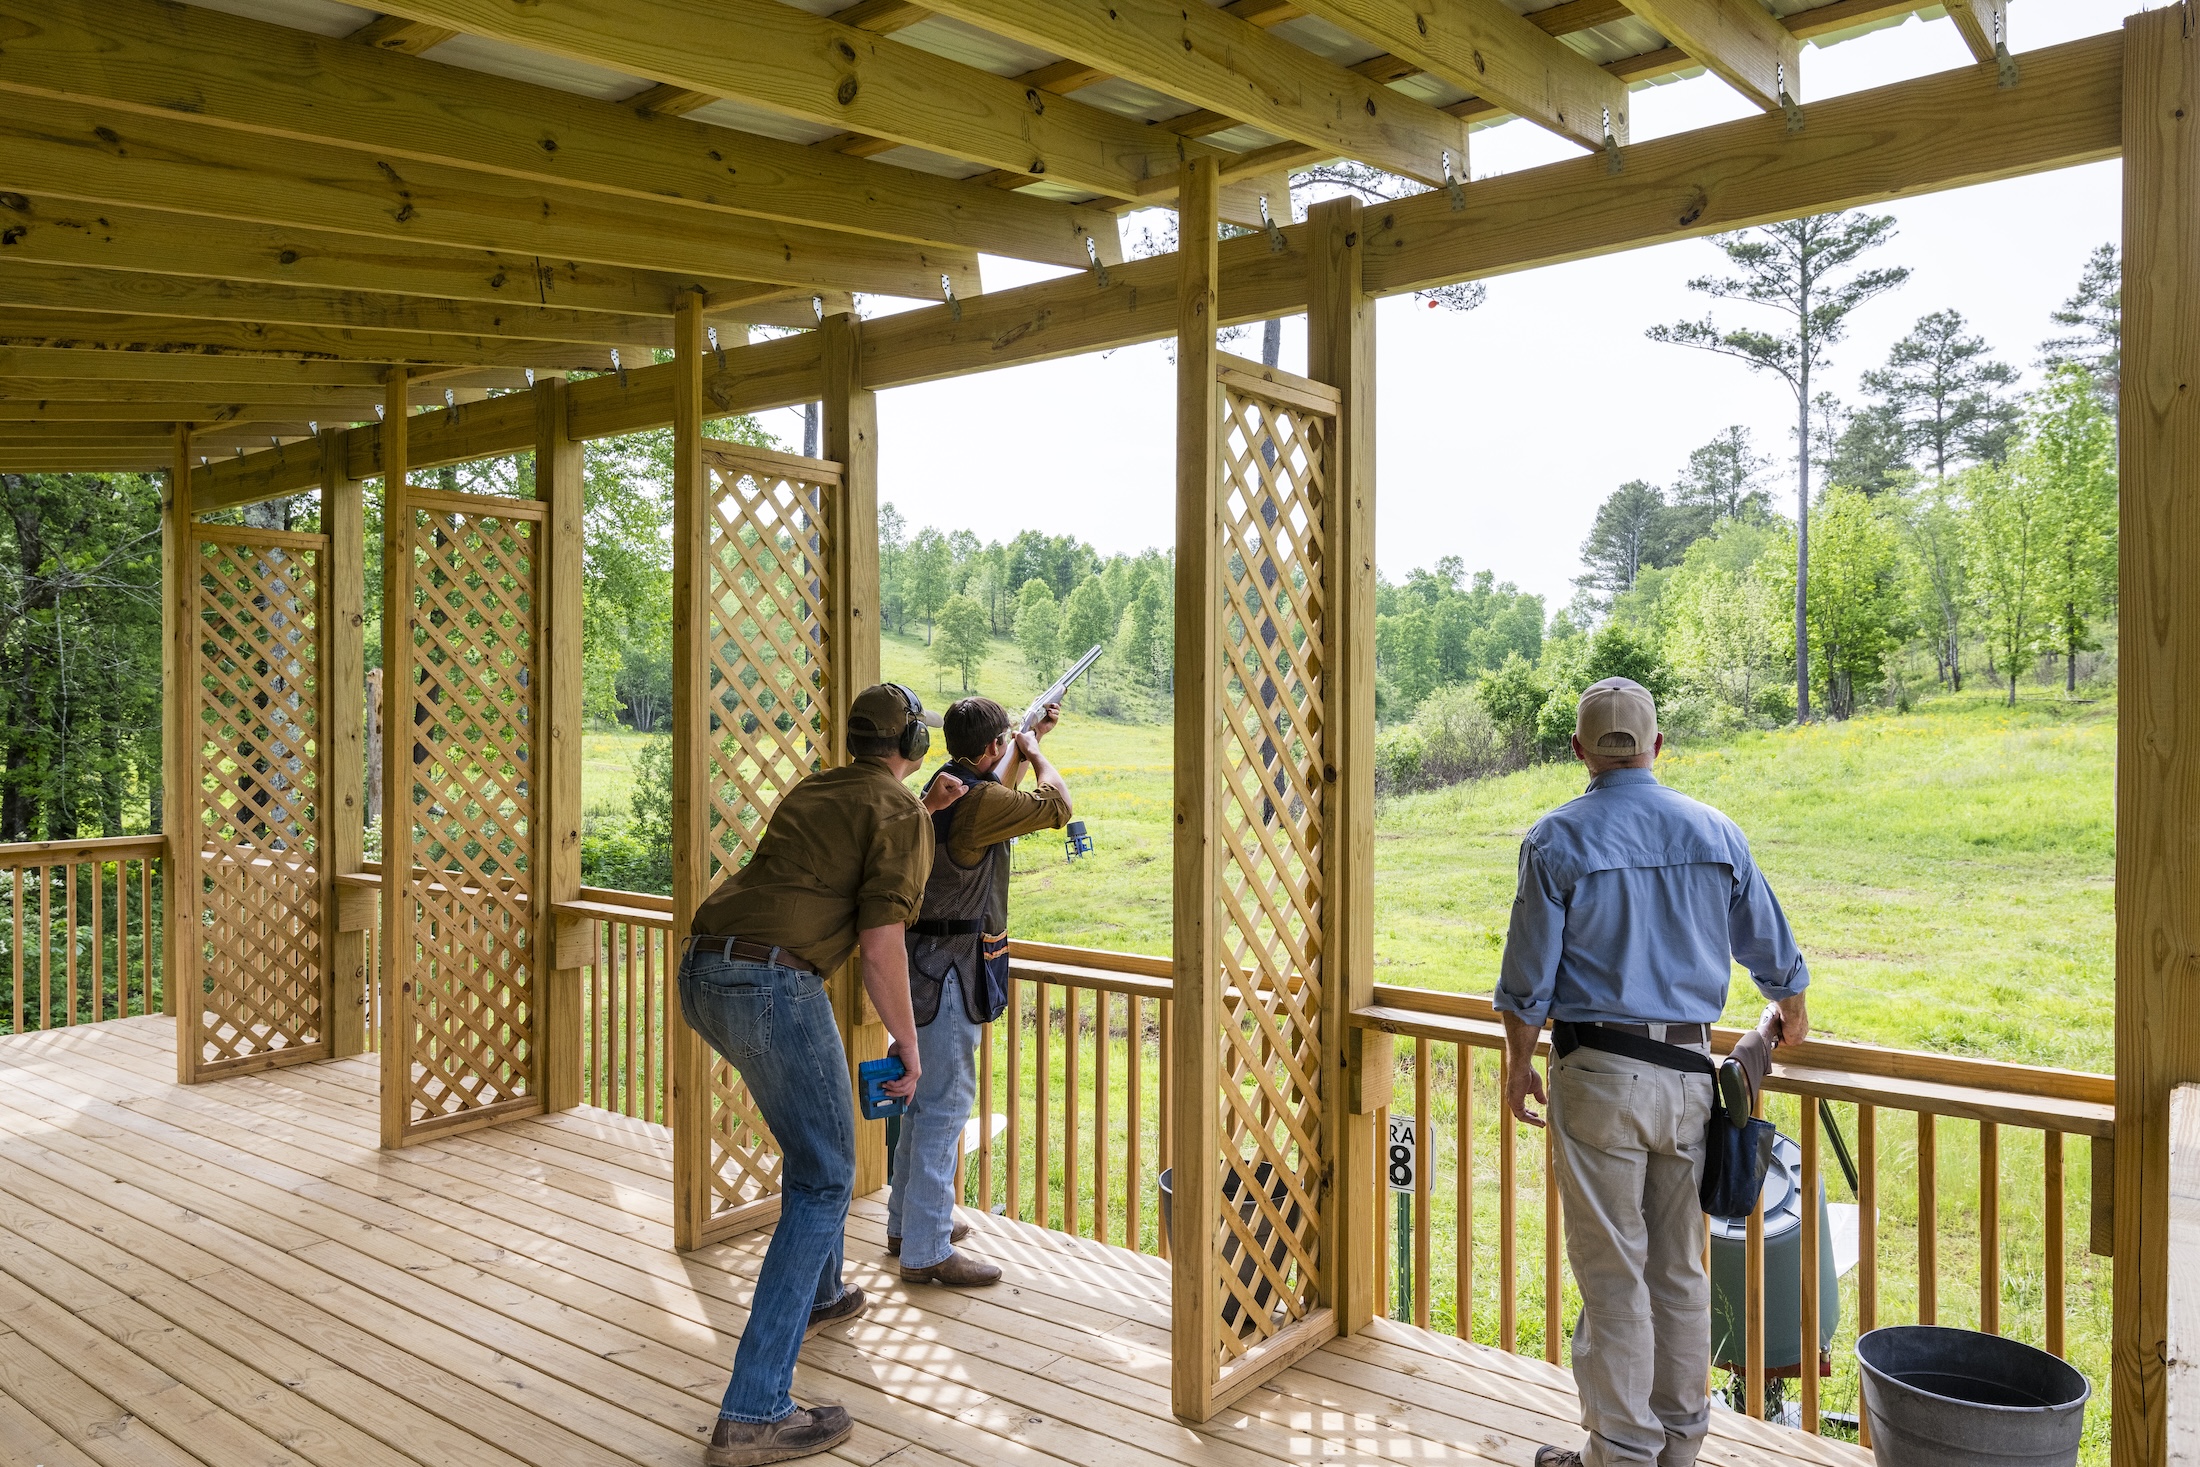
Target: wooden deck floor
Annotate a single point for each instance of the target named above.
(233, 1275)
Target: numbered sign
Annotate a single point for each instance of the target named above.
(1405, 1153)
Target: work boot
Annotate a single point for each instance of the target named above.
(800, 1433)
(851, 1303)
(956, 1234)
(1557, 1457)
(957, 1270)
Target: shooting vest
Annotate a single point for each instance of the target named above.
(963, 924)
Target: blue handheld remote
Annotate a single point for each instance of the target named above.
(873, 1075)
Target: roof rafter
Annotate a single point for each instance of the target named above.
(1484, 46)
(1239, 70)
(25, 327)
(843, 77)
(1739, 41)
(57, 366)
(81, 152)
(271, 79)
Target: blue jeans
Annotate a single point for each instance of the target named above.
(921, 1211)
(775, 1025)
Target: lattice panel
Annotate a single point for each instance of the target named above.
(766, 572)
(467, 1020)
(261, 985)
(1270, 757)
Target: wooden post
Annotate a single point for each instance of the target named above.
(691, 1059)
(556, 858)
(1340, 351)
(2157, 738)
(343, 573)
(397, 775)
(1196, 1183)
(852, 651)
(179, 788)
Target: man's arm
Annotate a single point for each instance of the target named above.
(1527, 978)
(1761, 941)
(886, 979)
(1012, 766)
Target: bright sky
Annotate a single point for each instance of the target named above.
(1500, 430)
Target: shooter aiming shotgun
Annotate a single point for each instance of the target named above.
(1053, 695)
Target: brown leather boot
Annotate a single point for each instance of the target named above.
(799, 1434)
(957, 1270)
(956, 1234)
(851, 1303)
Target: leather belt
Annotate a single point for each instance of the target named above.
(1674, 1033)
(740, 949)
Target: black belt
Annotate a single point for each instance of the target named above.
(1674, 1033)
(948, 927)
(743, 950)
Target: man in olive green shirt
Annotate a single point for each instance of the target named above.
(842, 865)
(958, 973)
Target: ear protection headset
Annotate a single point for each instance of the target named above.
(916, 734)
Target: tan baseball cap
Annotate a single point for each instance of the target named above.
(882, 710)
(1617, 719)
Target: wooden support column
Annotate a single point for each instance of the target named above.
(556, 857)
(1195, 1063)
(179, 814)
(691, 1059)
(2158, 735)
(343, 801)
(850, 437)
(1340, 351)
(397, 772)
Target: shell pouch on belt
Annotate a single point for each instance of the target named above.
(1738, 1148)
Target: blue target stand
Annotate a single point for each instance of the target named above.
(1403, 1164)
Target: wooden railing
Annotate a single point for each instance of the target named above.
(1072, 1125)
(81, 921)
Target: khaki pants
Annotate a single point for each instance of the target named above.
(1629, 1139)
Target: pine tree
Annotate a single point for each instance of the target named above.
(1948, 395)
(2096, 315)
(1629, 535)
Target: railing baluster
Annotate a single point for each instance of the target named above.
(1385, 1286)
(985, 1121)
(1809, 1280)
(1928, 1222)
(99, 942)
(1554, 1291)
(1100, 1042)
(1072, 1201)
(1014, 1175)
(1134, 1066)
(68, 935)
(1989, 1228)
(2052, 1168)
(15, 1014)
(45, 947)
(1041, 1212)
(660, 970)
(1462, 1306)
(146, 943)
(1508, 1215)
(1753, 1300)
(633, 1009)
(1424, 1119)
(1165, 1074)
(1867, 1235)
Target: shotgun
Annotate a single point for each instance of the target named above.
(1038, 708)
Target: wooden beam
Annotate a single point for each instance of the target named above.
(131, 292)
(77, 152)
(2157, 747)
(192, 410)
(818, 71)
(116, 461)
(1484, 46)
(109, 237)
(395, 946)
(352, 403)
(61, 366)
(1194, 1309)
(557, 835)
(165, 60)
(1217, 61)
(1983, 24)
(690, 1060)
(395, 33)
(1737, 40)
(342, 796)
(1340, 323)
(96, 330)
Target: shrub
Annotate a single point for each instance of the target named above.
(1451, 738)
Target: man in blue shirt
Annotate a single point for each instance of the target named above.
(1633, 903)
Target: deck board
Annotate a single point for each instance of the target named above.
(236, 1273)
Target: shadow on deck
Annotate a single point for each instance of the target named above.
(235, 1275)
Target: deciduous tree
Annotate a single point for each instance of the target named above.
(2072, 451)
(962, 641)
